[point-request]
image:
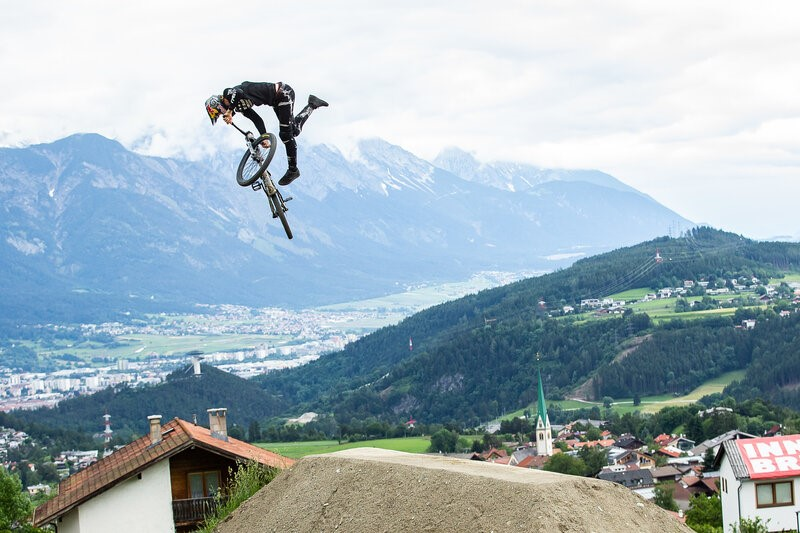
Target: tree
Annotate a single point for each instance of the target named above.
(704, 512)
(565, 464)
(595, 458)
(607, 401)
(236, 432)
(444, 440)
(662, 496)
(491, 441)
(708, 459)
(254, 432)
(15, 507)
(593, 433)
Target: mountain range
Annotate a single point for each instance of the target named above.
(91, 229)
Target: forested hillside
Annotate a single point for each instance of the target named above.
(184, 395)
(476, 356)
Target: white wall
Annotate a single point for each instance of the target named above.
(730, 497)
(776, 518)
(133, 506)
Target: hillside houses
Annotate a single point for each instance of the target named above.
(736, 288)
(640, 466)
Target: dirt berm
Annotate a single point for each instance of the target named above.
(372, 490)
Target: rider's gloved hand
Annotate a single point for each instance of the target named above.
(228, 116)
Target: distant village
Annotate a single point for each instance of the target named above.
(761, 294)
(311, 332)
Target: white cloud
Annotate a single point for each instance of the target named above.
(693, 103)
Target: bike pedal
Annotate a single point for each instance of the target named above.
(288, 199)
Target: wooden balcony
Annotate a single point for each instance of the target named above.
(193, 510)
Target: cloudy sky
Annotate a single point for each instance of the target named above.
(695, 103)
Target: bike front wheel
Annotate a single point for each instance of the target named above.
(252, 166)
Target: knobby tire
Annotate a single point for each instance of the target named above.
(249, 168)
(277, 206)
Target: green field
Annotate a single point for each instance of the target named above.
(139, 346)
(649, 404)
(632, 294)
(788, 277)
(295, 450)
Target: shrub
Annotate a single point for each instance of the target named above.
(245, 481)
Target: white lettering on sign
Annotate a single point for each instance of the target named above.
(792, 447)
(762, 466)
(765, 449)
(749, 449)
(787, 463)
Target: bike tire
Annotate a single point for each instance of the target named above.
(250, 169)
(277, 206)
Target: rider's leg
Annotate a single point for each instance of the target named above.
(302, 116)
(284, 110)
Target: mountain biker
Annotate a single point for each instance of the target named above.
(280, 96)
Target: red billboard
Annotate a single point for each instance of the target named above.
(771, 457)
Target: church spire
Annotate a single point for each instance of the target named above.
(544, 432)
(542, 408)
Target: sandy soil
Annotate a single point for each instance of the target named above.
(373, 490)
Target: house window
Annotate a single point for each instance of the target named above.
(203, 484)
(775, 494)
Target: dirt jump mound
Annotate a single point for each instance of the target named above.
(372, 490)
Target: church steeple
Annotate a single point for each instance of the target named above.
(542, 410)
(544, 432)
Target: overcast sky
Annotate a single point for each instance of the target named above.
(695, 103)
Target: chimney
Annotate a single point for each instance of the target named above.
(155, 428)
(217, 423)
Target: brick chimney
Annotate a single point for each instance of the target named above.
(155, 428)
(218, 423)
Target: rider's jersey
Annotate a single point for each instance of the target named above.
(248, 94)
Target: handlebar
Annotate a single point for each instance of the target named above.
(245, 133)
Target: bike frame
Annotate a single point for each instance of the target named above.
(275, 199)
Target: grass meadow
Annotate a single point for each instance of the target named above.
(296, 450)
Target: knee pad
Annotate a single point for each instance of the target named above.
(285, 134)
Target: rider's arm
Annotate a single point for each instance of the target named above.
(256, 119)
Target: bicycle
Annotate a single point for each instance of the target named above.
(252, 172)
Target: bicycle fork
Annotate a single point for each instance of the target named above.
(274, 197)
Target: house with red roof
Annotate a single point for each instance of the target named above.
(663, 439)
(164, 481)
(759, 478)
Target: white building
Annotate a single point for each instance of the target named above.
(164, 481)
(760, 479)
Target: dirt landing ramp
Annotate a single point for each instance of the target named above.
(372, 490)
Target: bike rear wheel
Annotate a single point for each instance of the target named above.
(252, 166)
(277, 208)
